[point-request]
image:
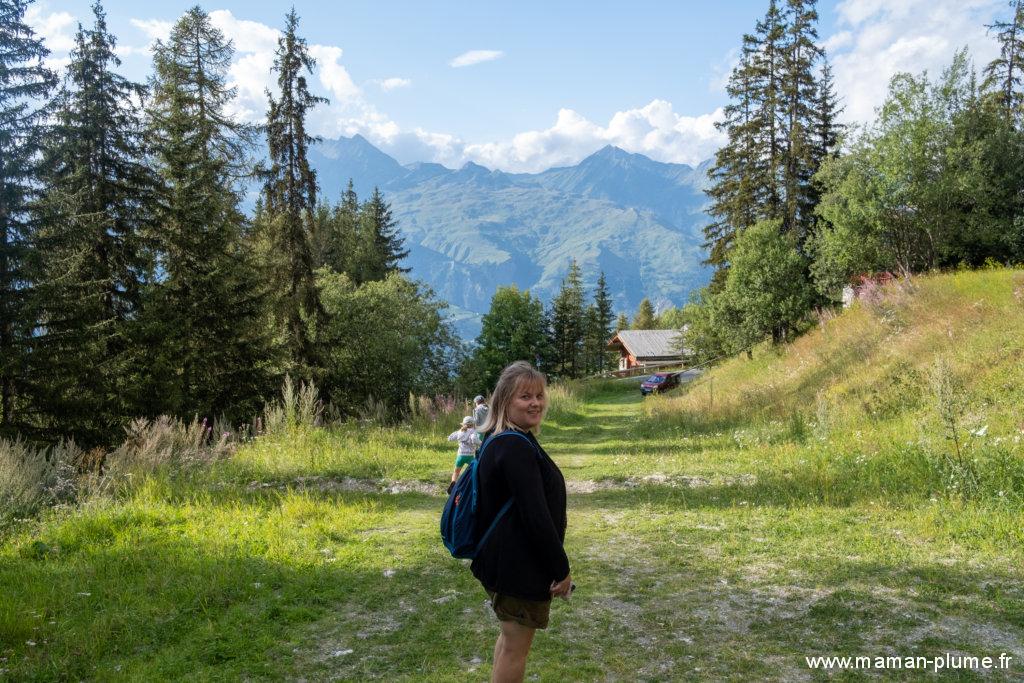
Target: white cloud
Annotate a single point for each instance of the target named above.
(248, 36)
(155, 29)
(57, 29)
(475, 57)
(333, 75)
(654, 130)
(389, 84)
(880, 38)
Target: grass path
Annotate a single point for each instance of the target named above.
(690, 563)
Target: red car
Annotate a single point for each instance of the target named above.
(659, 382)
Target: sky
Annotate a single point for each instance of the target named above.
(529, 85)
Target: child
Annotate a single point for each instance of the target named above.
(479, 411)
(468, 442)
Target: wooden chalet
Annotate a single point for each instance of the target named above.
(644, 348)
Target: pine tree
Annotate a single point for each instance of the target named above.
(768, 84)
(603, 323)
(336, 242)
(828, 130)
(290, 198)
(96, 259)
(1002, 76)
(381, 244)
(734, 176)
(621, 323)
(24, 81)
(780, 126)
(567, 319)
(645, 317)
(799, 87)
(211, 300)
(748, 171)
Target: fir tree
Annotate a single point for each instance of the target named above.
(799, 87)
(645, 317)
(381, 245)
(336, 240)
(211, 300)
(828, 130)
(290, 198)
(602, 324)
(621, 323)
(567, 320)
(98, 211)
(734, 175)
(1002, 76)
(24, 83)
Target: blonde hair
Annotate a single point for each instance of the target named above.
(512, 378)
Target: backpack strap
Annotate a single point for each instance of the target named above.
(508, 503)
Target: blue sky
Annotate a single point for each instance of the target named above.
(544, 83)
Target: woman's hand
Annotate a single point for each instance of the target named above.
(563, 588)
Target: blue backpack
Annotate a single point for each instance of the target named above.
(458, 520)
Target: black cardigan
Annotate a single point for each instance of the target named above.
(524, 554)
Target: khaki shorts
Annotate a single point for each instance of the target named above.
(530, 613)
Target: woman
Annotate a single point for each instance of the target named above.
(523, 565)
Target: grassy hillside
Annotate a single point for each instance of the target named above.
(915, 390)
(803, 503)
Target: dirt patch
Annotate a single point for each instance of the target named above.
(350, 485)
(656, 479)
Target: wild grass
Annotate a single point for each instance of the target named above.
(707, 543)
(916, 391)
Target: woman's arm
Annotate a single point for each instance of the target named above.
(519, 464)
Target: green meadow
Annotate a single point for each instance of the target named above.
(857, 492)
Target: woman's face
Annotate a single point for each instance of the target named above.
(527, 407)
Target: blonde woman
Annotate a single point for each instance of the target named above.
(523, 565)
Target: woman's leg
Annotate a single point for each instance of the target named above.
(510, 652)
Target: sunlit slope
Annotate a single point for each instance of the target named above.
(881, 365)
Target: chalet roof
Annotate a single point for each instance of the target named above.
(648, 343)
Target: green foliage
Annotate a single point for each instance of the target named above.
(1002, 76)
(900, 390)
(95, 245)
(568, 325)
(360, 240)
(780, 125)
(598, 331)
(512, 329)
(289, 195)
(672, 318)
(381, 340)
(931, 183)
(765, 293)
(645, 317)
(25, 83)
(208, 321)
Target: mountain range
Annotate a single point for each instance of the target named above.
(472, 230)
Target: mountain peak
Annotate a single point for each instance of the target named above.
(474, 167)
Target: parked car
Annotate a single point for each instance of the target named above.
(659, 382)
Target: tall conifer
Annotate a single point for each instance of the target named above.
(25, 83)
(290, 197)
(383, 245)
(567, 321)
(799, 86)
(1002, 75)
(98, 212)
(213, 329)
